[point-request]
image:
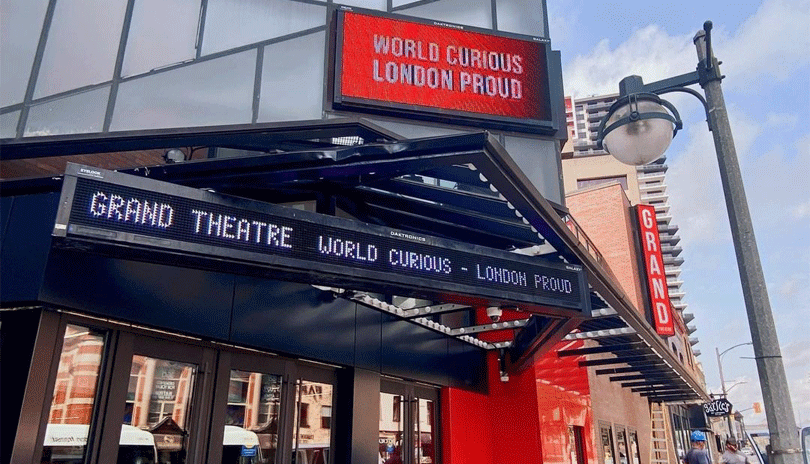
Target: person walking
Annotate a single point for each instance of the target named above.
(731, 455)
(698, 454)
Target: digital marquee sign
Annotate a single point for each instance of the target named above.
(119, 209)
(440, 70)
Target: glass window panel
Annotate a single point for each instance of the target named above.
(414, 131)
(478, 14)
(8, 124)
(521, 17)
(607, 445)
(251, 419)
(159, 400)
(292, 80)
(312, 440)
(621, 445)
(539, 160)
(20, 27)
(391, 423)
(162, 32)
(232, 23)
(423, 432)
(78, 113)
(398, 3)
(213, 92)
(73, 396)
(82, 45)
(370, 4)
(635, 453)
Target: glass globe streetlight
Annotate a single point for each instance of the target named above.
(638, 128)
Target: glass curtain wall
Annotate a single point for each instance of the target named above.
(111, 65)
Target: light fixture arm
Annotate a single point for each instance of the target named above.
(694, 93)
(720, 355)
(708, 70)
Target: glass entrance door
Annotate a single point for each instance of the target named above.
(157, 393)
(408, 423)
(136, 397)
(312, 416)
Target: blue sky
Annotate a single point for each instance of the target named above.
(763, 47)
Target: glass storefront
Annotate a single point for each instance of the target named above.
(74, 394)
(172, 404)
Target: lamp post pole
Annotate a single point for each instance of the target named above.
(771, 370)
(634, 132)
(723, 381)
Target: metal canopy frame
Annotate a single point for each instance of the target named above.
(464, 187)
(646, 369)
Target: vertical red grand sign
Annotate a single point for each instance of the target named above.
(441, 67)
(656, 277)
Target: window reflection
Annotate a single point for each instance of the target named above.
(232, 23)
(478, 14)
(213, 92)
(82, 45)
(423, 433)
(75, 114)
(607, 445)
(162, 32)
(8, 124)
(158, 400)
(20, 26)
(73, 396)
(635, 454)
(576, 444)
(621, 444)
(292, 82)
(391, 421)
(251, 419)
(370, 4)
(312, 440)
(521, 17)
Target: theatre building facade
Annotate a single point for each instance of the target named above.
(304, 232)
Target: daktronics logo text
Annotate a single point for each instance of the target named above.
(395, 61)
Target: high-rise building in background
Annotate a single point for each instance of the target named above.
(585, 165)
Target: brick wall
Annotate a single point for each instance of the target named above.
(604, 214)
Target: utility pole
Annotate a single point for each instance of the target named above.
(771, 370)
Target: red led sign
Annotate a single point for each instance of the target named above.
(440, 69)
(656, 277)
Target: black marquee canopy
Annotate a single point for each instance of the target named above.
(454, 189)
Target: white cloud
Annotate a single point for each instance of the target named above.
(797, 355)
(771, 44)
(650, 52)
(785, 121)
(693, 179)
(801, 211)
(561, 15)
(803, 146)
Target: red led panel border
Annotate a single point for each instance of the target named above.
(386, 61)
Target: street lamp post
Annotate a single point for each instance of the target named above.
(637, 130)
(723, 381)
